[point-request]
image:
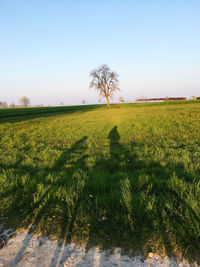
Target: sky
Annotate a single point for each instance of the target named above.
(49, 47)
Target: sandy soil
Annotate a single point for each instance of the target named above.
(29, 250)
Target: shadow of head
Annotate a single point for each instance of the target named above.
(114, 135)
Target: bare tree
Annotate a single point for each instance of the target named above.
(24, 101)
(121, 99)
(12, 105)
(3, 104)
(104, 81)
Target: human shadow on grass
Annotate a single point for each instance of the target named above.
(121, 201)
(131, 203)
(142, 204)
(48, 201)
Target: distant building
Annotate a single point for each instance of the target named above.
(161, 99)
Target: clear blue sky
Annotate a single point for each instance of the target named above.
(48, 48)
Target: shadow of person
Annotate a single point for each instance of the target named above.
(95, 184)
(70, 210)
(135, 200)
(123, 196)
(54, 197)
(114, 136)
(103, 186)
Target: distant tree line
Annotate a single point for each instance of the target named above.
(3, 104)
(23, 102)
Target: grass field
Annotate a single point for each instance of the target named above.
(127, 176)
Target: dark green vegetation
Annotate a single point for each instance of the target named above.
(23, 112)
(126, 176)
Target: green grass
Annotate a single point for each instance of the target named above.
(6, 113)
(138, 166)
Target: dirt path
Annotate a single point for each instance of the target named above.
(28, 250)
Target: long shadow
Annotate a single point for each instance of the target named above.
(14, 115)
(41, 210)
(69, 213)
(86, 192)
(121, 201)
(104, 179)
(136, 204)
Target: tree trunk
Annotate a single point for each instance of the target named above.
(108, 102)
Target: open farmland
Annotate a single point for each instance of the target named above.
(127, 176)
